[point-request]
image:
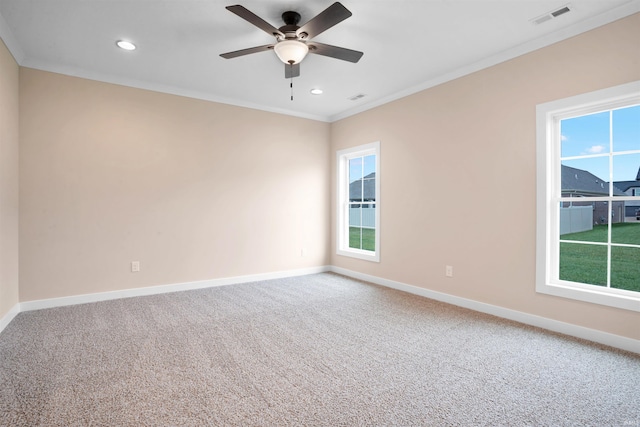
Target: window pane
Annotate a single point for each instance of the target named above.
(585, 135)
(625, 268)
(576, 222)
(355, 169)
(369, 185)
(627, 233)
(362, 222)
(369, 215)
(355, 237)
(632, 211)
(355, 179)
(369, 165)
(584, 222)
(626, 129)
(369, 239)
(362, 238)
(355, 191)
(355, 215)
(369, 188)
(585, 177)
(626, 168)
(583, 263)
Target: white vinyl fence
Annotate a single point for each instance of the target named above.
(575, 219)
(368, 217)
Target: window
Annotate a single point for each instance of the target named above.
(588, 162)
(358, 216)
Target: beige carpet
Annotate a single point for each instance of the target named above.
(308, 351)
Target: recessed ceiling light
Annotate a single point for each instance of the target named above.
(123, 44)
(316, 91)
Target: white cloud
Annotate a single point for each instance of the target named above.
(563, 138)
(595, 149)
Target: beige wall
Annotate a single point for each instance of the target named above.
(193, 190)
(458, 175)
(9, 76)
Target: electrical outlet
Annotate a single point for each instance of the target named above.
(303, 252)
(448, 271)
(135, 266)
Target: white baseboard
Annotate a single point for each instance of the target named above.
(7, 318)
(605, 338)
(162, 289)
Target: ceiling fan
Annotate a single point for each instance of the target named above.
(293, 42)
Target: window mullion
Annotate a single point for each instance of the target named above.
(346, 230)
(361, 198)
(609, 220)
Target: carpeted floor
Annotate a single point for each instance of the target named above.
(307, 351)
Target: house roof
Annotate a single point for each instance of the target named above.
(582, 182)
(625, 185)
(355, 188)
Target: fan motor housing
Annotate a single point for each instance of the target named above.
(290, 27)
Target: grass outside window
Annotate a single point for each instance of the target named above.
(362, 238)
(585, 263)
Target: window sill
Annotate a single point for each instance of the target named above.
(592, 295)
(364, 255)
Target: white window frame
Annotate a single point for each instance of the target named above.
(548, 137)
(342, 202)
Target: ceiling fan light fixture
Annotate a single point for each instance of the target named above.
(291, 51)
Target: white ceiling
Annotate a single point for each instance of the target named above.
(408, 45)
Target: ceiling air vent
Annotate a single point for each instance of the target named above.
(561, 11)
(550, 15)
(356, 97)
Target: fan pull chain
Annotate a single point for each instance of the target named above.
(291, 76)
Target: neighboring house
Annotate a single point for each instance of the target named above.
(356, 188)
(630, 188)
(581, 184)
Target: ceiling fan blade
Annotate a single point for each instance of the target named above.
(335, 52)
(291, 71)
(248, 51)
(326, 19)
(247, 15)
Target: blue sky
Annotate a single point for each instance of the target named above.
(598, 135)
(356, 170)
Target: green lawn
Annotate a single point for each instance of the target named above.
(368, 236)
(628, 233)
(588, 263)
